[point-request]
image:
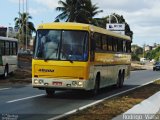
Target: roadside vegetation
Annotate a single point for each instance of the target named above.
(153, 54)
(138, 52)
(115, 106)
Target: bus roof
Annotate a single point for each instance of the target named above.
(8, 39)
(80, 26)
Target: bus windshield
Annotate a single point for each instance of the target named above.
(61, 45)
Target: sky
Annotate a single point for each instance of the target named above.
(143, 16)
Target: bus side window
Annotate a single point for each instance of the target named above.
(10, 48)
(110, 43)
(14, 48)
(124, 46)
(104, 43)
(128, 46)
(7, 48)
(2, 47)
(98, 41)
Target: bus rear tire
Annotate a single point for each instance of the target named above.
(120, 80)
(5, 75)
(50, 92)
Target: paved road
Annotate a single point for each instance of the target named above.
(28, 102)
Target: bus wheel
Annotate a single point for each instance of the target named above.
(50, 92)
(5, 75)
(120, 80)
(94, 92)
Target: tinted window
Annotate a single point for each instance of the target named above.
(7, 48)
(98, 41)
(104, 43)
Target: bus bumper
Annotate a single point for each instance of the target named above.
(43, 83)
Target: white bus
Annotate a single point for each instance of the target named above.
(8, 55)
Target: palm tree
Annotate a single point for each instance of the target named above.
(77, 11)
(26, 28)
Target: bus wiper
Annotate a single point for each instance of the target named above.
(68, 57)
(70, 60)
(46, 60)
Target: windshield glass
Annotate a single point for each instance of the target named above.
(61, 45)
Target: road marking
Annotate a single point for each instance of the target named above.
(4, 89)
(24, 98)
(98, 101)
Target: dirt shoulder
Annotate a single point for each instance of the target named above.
(115, 106)
(19, 77)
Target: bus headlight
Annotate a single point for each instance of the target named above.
(36, 81)
(77, 83)
(80, 83)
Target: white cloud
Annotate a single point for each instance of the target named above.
(51, 4)
(142, 16)
(36, 11)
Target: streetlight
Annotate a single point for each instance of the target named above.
(114, 17)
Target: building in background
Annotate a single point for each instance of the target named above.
(148, 48)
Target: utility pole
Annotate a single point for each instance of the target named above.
(19, 37)
(26, 21)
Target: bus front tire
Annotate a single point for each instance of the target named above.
(5, 75)
(95, 90)
(50, 92)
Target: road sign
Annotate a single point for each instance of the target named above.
(115, 27)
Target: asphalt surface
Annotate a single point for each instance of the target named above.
(25, 102)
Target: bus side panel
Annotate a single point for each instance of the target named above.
(92, 77)
(1, 69)
(11, 61)
(109, 65)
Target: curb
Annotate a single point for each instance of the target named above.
(98, 101)
(146, 110)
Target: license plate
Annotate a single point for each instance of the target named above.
(57, 83)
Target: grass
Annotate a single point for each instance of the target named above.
(110, 108)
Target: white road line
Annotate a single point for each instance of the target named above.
(24, 98)
(98, 101)
(4, 89)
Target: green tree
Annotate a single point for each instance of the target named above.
(153, 54)
(137, 51)
(81, 11)
(25, 27)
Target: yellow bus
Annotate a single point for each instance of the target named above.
(79, 56)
